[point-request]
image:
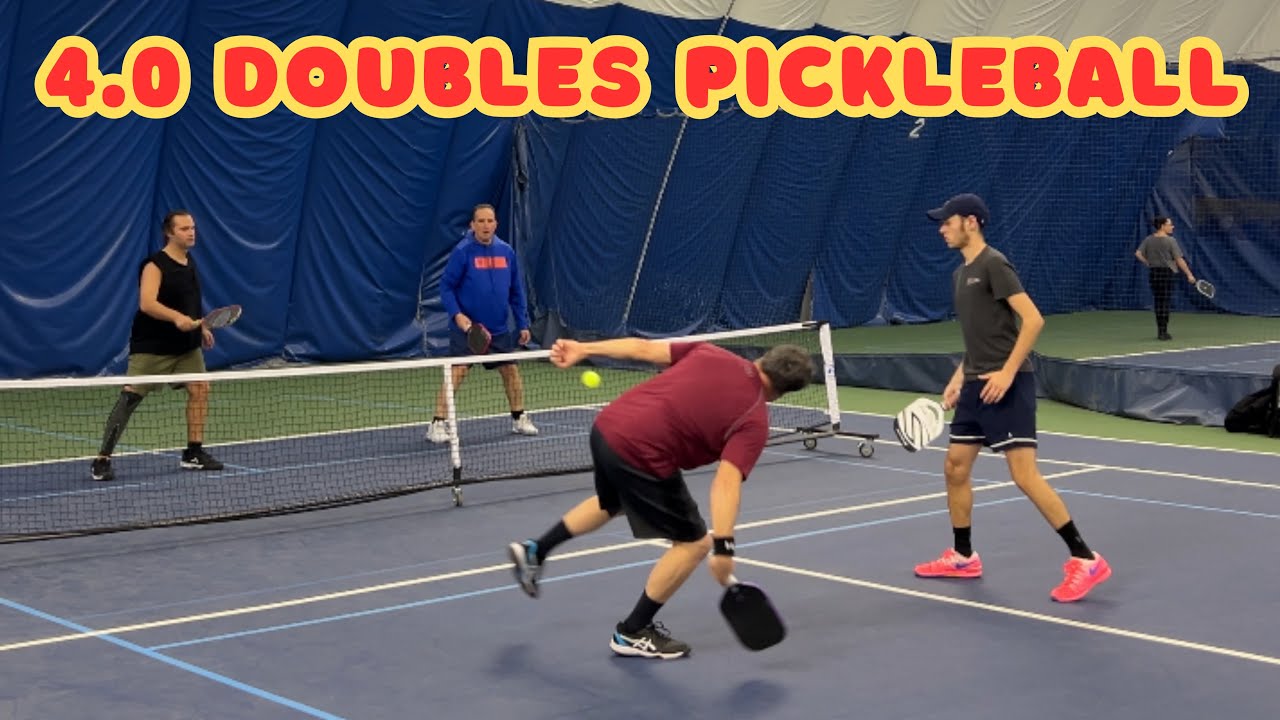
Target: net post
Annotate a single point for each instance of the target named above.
(451, 423)
(829, 374)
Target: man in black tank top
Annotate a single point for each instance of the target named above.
(166, 339)
(993, 391)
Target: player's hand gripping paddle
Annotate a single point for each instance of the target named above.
(751, 616)
(919, 424)
(220, 318)
(478, 339)
(1205, 288)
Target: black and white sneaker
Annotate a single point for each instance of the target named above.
(199, 460)
(651, 642)
(101, 470)
(525, 565)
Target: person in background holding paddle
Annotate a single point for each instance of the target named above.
(994, 393)
(481, 283)
(708, 405)
(1162, 256)
(166, 339)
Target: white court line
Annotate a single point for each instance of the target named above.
(475, 571)
(1143, 471)
(453, 575)
(1173, 351)
(1014, 612)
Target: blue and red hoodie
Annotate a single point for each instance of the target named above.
(482, 282)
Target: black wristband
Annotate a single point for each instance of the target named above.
(722, 546)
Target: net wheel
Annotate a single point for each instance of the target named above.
(810, 443)
(866, 449)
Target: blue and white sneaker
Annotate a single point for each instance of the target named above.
(525, 565)
(653, 641)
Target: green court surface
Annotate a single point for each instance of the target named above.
(1073, 336)
(42, 425)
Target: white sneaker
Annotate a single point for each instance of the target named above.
(524, 426)
(438, 432)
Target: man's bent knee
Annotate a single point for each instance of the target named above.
(702, 545)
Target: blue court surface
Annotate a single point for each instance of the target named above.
(406, 608)
(1250, 359)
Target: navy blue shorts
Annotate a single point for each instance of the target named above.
(1010, 423)
(504, 343)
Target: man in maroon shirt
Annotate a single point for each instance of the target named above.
(708, 405)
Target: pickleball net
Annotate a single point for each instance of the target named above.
(303, 438)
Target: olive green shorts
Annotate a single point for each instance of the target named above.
(150, 364)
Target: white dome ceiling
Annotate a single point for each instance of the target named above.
(1244, 29)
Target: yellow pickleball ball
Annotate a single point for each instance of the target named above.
(591, 379)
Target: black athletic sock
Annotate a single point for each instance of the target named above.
(551, 539)
(194, 447)
(117, 421)
(515, 414)
(642, 614)
(963, 544)
(1075, 543)
(437, 418)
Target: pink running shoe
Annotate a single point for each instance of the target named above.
(1081, 576)
(951, 565)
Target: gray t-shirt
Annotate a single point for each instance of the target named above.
(1161, 251)
(988, 323)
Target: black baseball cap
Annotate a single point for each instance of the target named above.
(963, 205)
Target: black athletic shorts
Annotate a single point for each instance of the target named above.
(1010, 423)
(655, 507)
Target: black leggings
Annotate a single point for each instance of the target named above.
(1162, 293)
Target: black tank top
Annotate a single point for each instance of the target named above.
(179, 290)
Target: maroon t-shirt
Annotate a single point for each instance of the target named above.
(708, 405)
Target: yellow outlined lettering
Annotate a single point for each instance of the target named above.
(809, 76)
(385, 74)
(155, 81)
(1207, 91)
(624, 87)
(157, 77)
(246, 76)
(1033, 76)
(315, 77)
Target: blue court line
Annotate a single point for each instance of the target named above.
(173, 662)
(1164, 503)
(751, 513)
(392, 608)
(90, 491)
(561, 578)
(620, 534)
(293, 586)
(474, 556)
(757, 543)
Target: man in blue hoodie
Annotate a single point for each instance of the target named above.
(481, 283)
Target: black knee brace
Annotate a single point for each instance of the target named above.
(118, 419)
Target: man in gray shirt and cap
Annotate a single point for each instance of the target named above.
(993, 392)
(1160, 252)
